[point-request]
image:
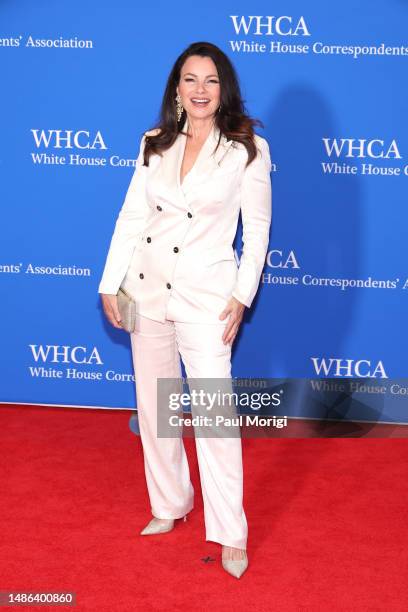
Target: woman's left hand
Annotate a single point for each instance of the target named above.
(236, 311)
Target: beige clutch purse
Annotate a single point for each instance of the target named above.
(127, 309)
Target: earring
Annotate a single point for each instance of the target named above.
(219, 108)
(179, 107)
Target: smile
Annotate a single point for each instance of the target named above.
(200, 101)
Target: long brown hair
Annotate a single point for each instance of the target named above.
(232, 120)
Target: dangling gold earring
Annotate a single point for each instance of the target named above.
(179, 107)
(219, 108)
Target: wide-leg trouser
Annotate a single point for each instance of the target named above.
(156, 350)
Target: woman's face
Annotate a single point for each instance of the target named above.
(199, 81)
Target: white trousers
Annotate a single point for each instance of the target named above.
(156, 350)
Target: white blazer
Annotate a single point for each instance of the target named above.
(172, 237)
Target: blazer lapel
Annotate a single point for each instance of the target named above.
(206, 162)
(169, 170)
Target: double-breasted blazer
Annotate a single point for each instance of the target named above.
(172, 237)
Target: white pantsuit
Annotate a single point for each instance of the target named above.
(172, 250)
(156, 347)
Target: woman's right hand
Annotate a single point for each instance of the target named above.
(111, 310)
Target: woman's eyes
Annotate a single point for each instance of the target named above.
(210, 81)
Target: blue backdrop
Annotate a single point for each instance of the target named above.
(82, 80)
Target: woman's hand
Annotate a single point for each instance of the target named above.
(111, 310)
(236, 311)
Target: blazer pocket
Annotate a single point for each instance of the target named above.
(219, 253)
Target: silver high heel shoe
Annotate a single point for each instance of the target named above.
(159, 526)
(235, 567)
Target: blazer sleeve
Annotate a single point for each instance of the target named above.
(256, 214)
(130, 222)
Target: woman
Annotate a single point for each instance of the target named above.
(172, 250)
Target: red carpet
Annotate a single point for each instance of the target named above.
(327, 521)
